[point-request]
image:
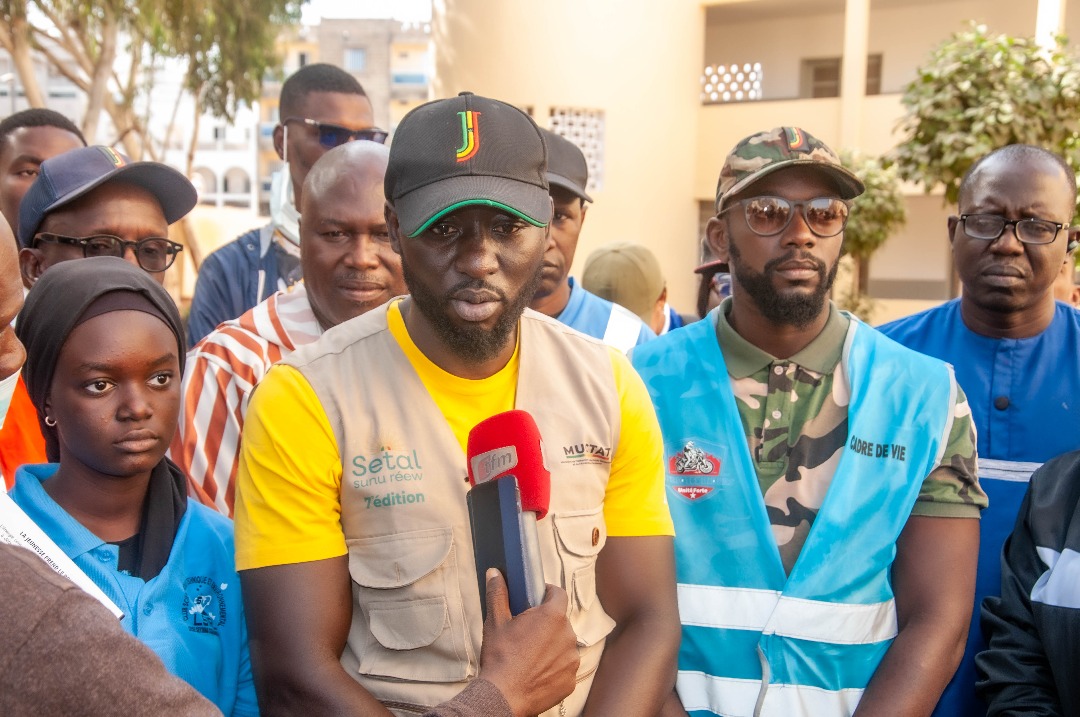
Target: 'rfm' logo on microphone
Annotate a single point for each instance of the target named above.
(488, 465)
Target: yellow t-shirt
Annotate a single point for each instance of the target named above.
(292, 512)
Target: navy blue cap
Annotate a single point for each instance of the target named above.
(566, 167)
(66, 177)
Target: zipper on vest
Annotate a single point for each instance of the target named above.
(766, 678)
(577, 681)
(584, 676)
(405, 706)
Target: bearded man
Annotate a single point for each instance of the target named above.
(353, 537)
(826, 539)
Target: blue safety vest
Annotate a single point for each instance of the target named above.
(757, 641)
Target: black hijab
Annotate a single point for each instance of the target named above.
(66, 295)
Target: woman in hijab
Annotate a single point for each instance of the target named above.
(105, 353)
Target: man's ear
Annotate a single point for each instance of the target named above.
(716, 237)
(1072, 237)
(393, 228)
(584, 211)
(31, 265)
(279, 140)
(953, 222)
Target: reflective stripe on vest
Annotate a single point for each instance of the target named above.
(773, 613)
(738, 698)
(1012, 471)
(809, 642)
(623, 329)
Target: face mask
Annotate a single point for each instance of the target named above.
(283, 212)
(7, 391)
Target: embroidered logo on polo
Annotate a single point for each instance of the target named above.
(203, 609)
(470, 135)
(693, 472)
(580, 454)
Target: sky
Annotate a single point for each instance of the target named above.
(406, 10)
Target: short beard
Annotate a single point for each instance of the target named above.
(799, 310)
(470, 343)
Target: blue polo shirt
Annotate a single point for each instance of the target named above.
(1025, 399)
(191, 614)
(613, 324)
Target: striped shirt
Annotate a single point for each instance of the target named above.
(222, 370)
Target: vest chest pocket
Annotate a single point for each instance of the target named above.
(406, 587)
(579, 538)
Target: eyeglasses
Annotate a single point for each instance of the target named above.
(334, 135)
(991, 226)
(154, 254)
(768, 216)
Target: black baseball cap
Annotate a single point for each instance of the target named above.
(567, 167)
(66, 177)
(462, 151)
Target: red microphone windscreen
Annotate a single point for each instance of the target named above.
(509, 444)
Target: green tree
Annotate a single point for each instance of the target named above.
(979, 92)
(875, 214)
(110, 48)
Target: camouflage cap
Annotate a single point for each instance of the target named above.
(765, 152)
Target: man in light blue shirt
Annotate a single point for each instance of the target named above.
(559, 296)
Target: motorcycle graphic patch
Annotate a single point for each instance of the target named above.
(692, 472)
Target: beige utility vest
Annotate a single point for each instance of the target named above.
(417, 621)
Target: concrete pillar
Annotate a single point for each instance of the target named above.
(1049, 21)
(639, 62)
(253, 157)
(853, 71)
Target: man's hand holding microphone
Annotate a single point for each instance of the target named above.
(532, 656)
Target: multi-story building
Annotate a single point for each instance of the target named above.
(664, 90)
(391, 59)
(61, 94)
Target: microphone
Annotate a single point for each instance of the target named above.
(511, 491)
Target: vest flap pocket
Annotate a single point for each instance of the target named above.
(394, 561)
(581, 533)
(584, 587)
(408, 625)
(591, 626)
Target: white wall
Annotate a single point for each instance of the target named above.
(919, 251)
(636, 60)
(904, 35)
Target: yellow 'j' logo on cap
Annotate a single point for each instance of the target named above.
(113, 156)
(470, 135)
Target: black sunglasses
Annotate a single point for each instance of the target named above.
(154, 254)
(334, 135)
